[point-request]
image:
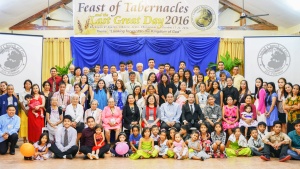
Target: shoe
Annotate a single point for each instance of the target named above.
(16, 146)
(126, 155)
(102, 156)
(90, 156)
(69, 156)
(12, 153)
(222, 155)
(94, 156)
(264, 157)
(215, 155)
(285, 158)
(113, 155)
(202, 159)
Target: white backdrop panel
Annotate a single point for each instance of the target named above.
(271, 58)
(20, 59)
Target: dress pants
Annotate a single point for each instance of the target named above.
(12, 139)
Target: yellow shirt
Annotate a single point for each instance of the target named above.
(237, 80)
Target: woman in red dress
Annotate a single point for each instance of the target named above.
(36, 123)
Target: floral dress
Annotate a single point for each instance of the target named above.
(293, 115)
(230, 115)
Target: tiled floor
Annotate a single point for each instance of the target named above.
(17, 162)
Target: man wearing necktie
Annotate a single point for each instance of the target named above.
(65, 140)
(191, 113)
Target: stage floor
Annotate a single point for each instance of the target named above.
(17, 162)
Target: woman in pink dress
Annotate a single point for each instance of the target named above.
(260, 96)
(230, 115)
(112, 119)
(35, 124)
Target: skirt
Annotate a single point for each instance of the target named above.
(24, 124)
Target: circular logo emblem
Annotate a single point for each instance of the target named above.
(203, 17)
(13, 59)
(273, 59)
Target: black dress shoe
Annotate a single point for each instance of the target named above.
(12, 153)
(16, 146)
(69, 156)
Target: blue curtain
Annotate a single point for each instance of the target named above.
(88, 51)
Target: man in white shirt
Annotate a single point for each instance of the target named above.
(65, 140)
(139, 68)
(151, 64)
(9, 127)
(236, 77)
(125, 75)
(130, 85)
(108, 78)
(122, 67)
(170, 113)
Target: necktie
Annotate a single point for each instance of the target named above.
(66, 138)
(192, 111)
(54, 85)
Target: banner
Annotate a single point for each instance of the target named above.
(21, 59)
(145, 17)
(272, 58)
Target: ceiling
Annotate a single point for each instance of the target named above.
(14, 11)
(281, 13)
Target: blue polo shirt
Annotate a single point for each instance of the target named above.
(295, 139)
(135, 140)
(9, 125)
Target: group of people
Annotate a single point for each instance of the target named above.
(156, 112)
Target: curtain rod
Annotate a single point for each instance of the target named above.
(56, 38)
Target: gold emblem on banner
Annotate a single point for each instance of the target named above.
(203, 17)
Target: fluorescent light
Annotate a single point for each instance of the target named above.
(295, 4)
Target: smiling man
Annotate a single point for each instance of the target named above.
(9, 127)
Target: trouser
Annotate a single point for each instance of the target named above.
(88, 149)
(210, 128)
(294, 154)
(190, 125)
(12, 139)
(243, 128)
(255, 152)
(58, 153)
(166, 127)
(290, 127)
(281, 152)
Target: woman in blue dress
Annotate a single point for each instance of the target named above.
(100, 94)
(271, 99)
(120, 94)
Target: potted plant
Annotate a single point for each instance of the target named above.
(229, 62)
(63, 70)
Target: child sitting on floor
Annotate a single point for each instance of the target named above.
(134, 138)
(121, 139)
(163, 144)
(255, 143)
(179, 147)
(218, 138)
(41, 148)
(146, 146)
(195, 148)
(237, 145)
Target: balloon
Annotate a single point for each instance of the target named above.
(122, 148)
(27, 150)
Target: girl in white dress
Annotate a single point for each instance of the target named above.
(41, 148)
(247, 119)
(162, 143)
